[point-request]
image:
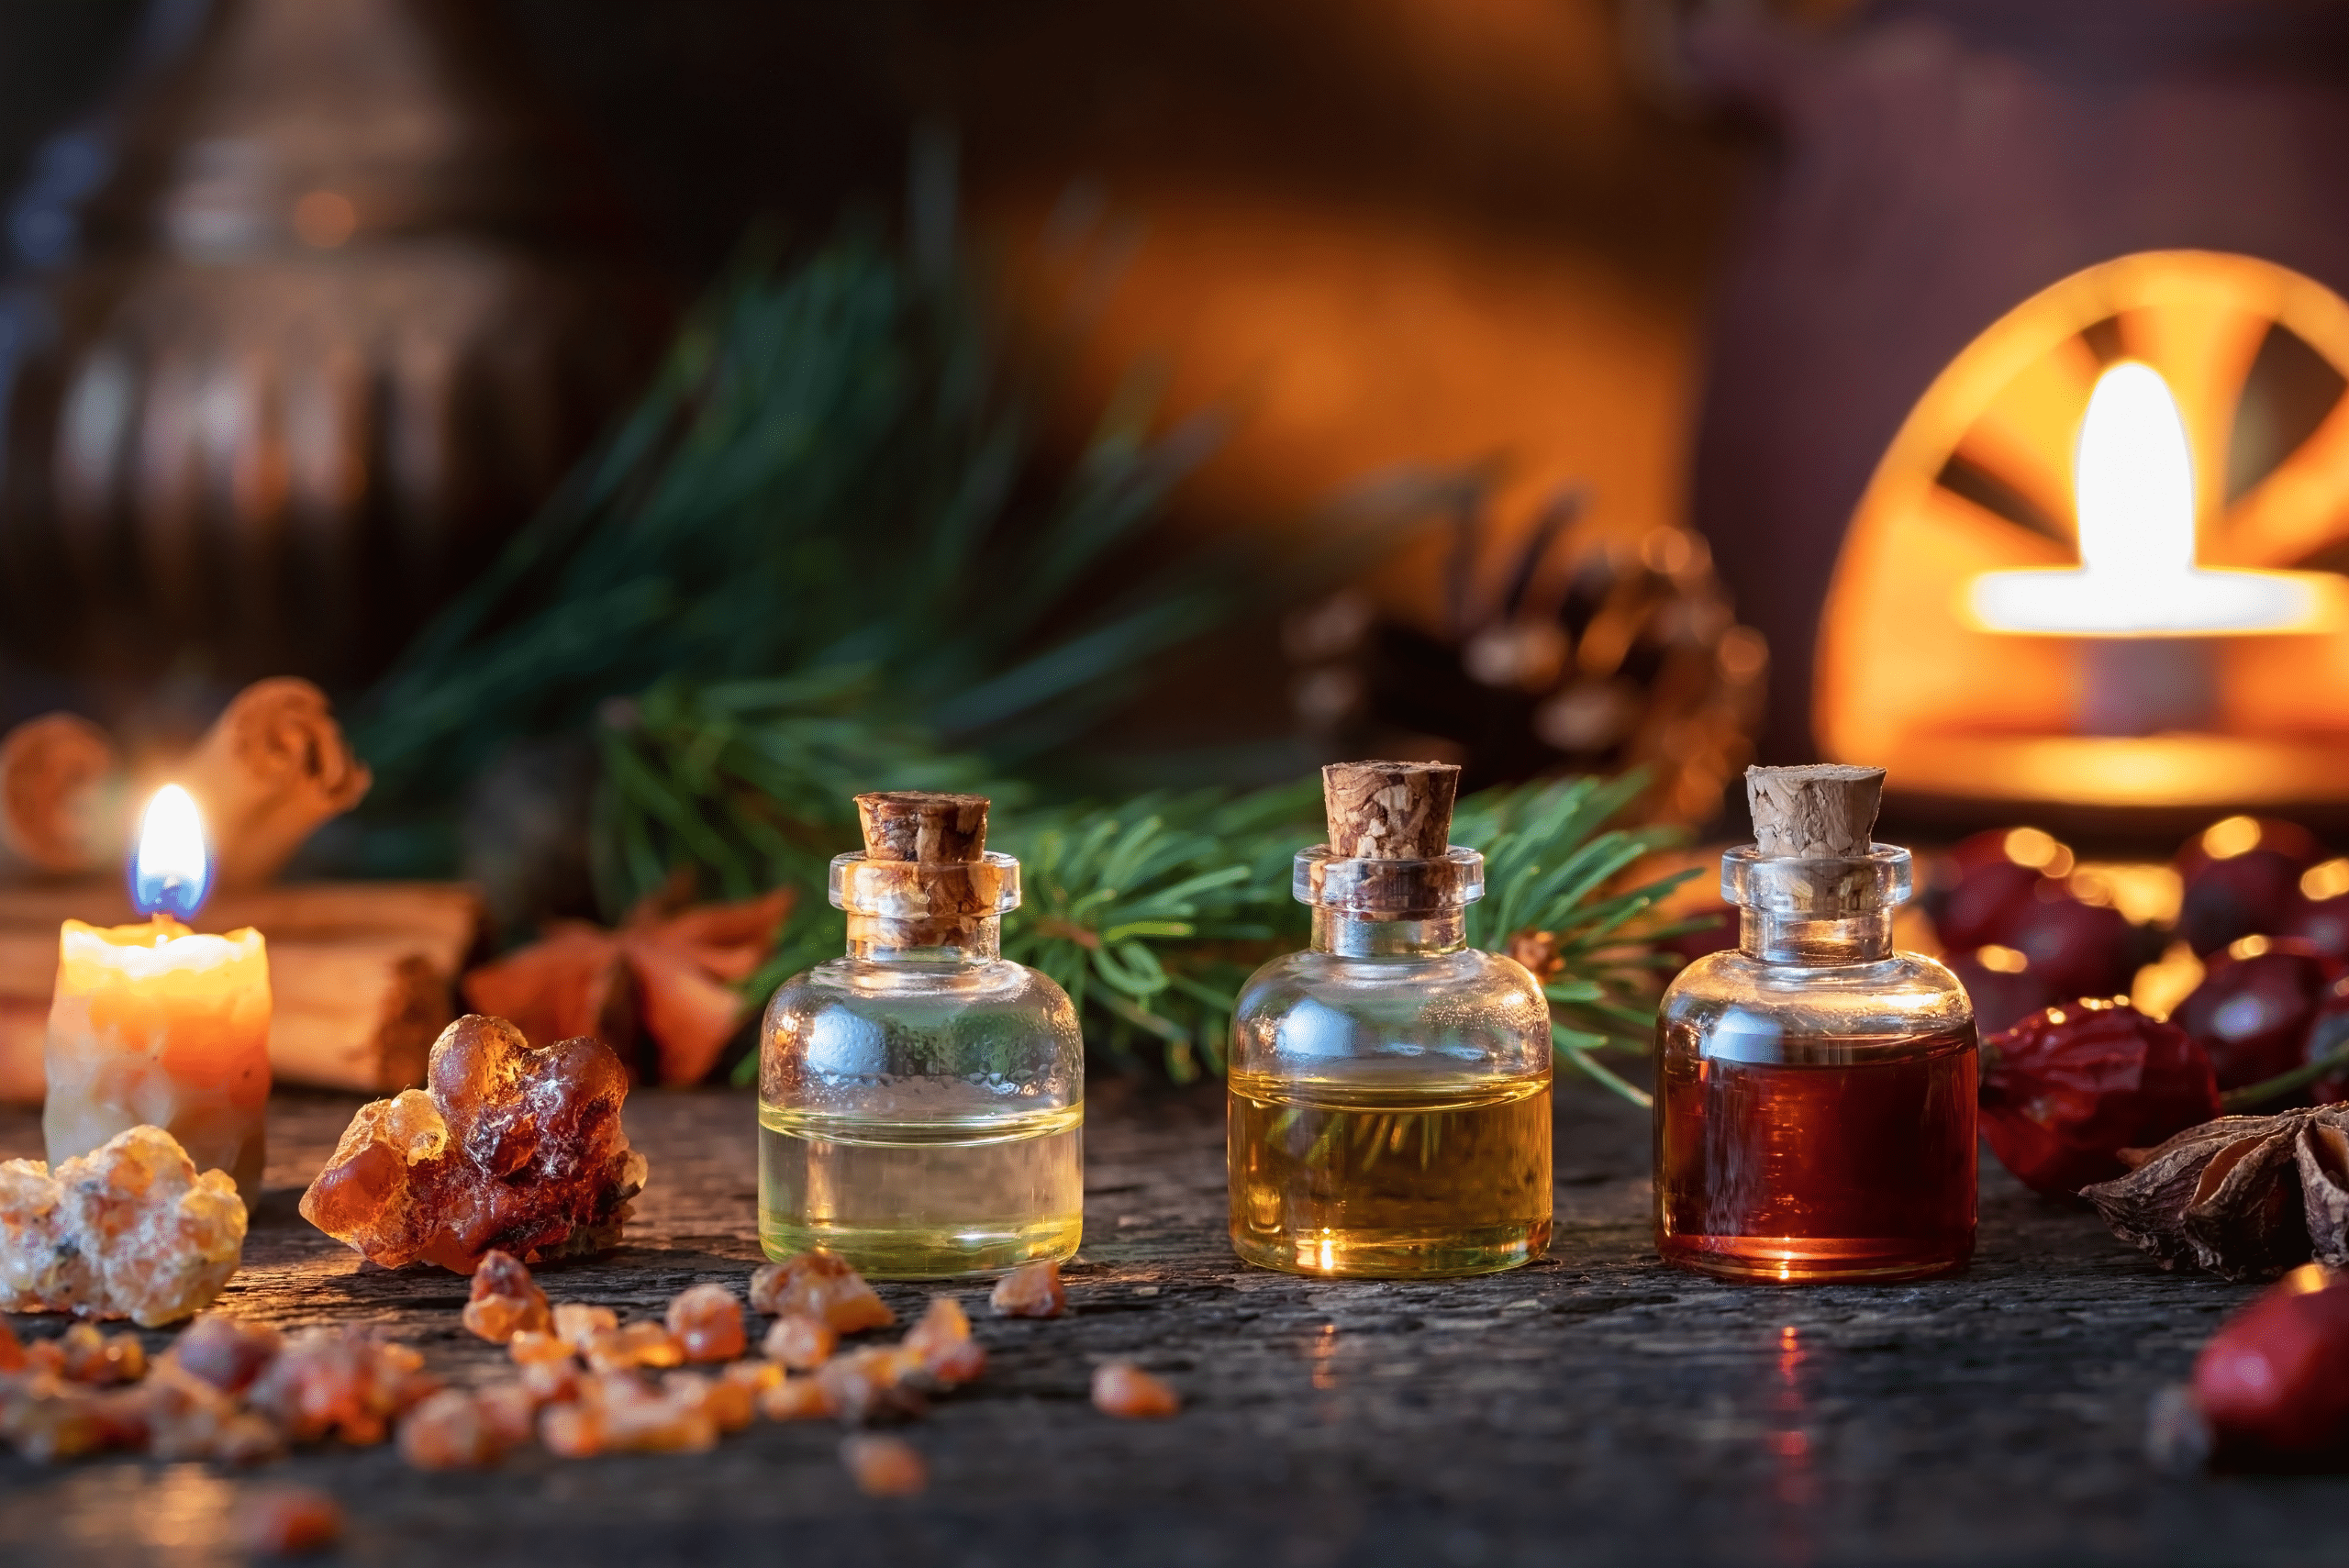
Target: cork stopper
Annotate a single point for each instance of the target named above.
(1822, 812)
(1389, 811)
(924, 826)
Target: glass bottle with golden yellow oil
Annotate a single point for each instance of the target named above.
(921, 1100)
(1390, 1085)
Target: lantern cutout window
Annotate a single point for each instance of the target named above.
(2098, 566)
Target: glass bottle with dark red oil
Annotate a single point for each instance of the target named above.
(1815, 1089)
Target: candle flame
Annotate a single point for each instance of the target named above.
(2133, 478)
(172, 871)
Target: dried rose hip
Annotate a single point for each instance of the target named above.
(1121, 1388)
(2255, 1009)
(2077, 949)
(506, 1300)
(2065, 1090)
(1997, 873)
(708, 1322)
(2241, 878)
(515, 1146)
(884, 1466)
(2275, 1378)
(800, 1342)
(1032, 1290)
(820, 1285)
(285, 1521)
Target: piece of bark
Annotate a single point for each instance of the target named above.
(271, 769)
(923, 825)
(1389, 811)
(1824, 811)
(55, 772)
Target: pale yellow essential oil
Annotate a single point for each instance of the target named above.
(933, 1199)
(1440, 1177)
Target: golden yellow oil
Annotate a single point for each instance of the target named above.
(1436, 1178)
(923, 1200)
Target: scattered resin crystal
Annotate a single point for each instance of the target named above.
(130, 1230)
(227, 1353)
(1121, 1388)
(800, 1342)
(341, 1383)
(83, 1355)
(1032, 1291)
(514, 1148)
(450, 1431)
(883, 1466)
(822, 1285)
(797, 1399)
(707, 1323)
(942, 1340)
(639, 1344)
(506, 1300)
(286, 1521)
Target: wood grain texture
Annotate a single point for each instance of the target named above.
(1595, 1408)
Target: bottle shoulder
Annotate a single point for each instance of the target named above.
(1318, 1014)
(1729, 994)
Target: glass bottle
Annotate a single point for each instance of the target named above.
(1389, 1109)
(921, 1100)
(1815, 1089)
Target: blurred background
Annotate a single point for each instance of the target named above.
(645, 425)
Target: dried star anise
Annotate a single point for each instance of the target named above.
(2243, 1196)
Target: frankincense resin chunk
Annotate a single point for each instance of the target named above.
(506, 1300)
(884, 1466)
(800, 1342)
(1031, 1290)
(942, 1340)
(708, 1322)
(821, 1285)
(1121, 1388)
(227, 1353)
(285, 1522)
(448, 1431)
(340, 1383)
(130, 1230)
(513, 1147)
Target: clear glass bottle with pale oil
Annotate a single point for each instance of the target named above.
(921, 1100)
(1390, 1085)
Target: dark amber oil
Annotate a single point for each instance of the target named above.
(1840, 1158)
(1436, 1178)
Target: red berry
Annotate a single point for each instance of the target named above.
(2254, 1010)
(2066, 1089)
(2242, 878)
(2000, 983)
(2275, 1376)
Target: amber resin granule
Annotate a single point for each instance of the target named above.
(513, 1147)
(130, 1230)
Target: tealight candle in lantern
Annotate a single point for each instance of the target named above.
(153, 1024)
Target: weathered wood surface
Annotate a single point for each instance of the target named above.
(1594, 1408)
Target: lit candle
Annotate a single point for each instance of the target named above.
(2139, 576)
(154, 1025)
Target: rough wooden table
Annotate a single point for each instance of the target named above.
(1596, 1407)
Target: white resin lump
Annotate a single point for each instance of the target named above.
(130, 1230)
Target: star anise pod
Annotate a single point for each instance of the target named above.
(2243, 1196)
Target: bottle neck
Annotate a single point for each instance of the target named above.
(976, 939)
(1772, 938)
(1347, 935)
